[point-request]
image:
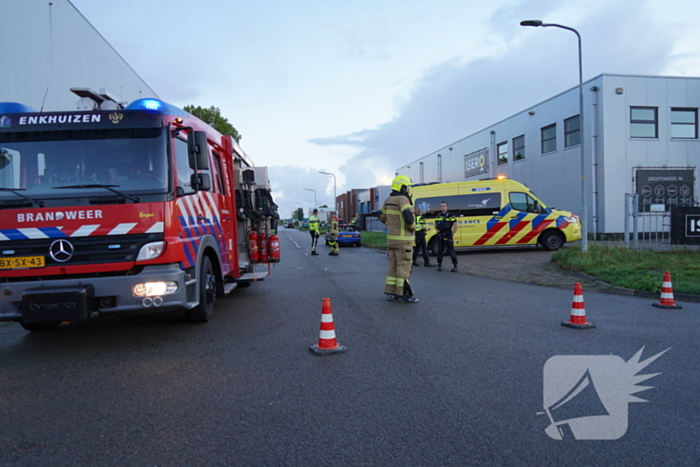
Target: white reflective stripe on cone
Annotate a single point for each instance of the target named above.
(577, 312)
(326, 318)
(327, 335)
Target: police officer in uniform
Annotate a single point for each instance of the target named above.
(333, 240)
(398, 216)
(446, 226)
(314, 230)
(420, 241)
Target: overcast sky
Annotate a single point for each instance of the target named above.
(360, 88)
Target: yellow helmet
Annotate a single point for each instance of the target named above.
(401, 183)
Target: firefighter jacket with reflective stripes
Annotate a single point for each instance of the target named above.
(313, 224)
(333, 225)
(397, 215)
(444, 223)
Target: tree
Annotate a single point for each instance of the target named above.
(213, 117)
(299, 214)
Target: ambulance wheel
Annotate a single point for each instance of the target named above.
(41, 327)
(207, 293)
(433, 248)
(552, 240)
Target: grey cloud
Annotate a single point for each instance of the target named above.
(452, 101)
(366, 41)
(288, 188)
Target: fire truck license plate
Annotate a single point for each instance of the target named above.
(22, 262)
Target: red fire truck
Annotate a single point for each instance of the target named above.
(117, 209)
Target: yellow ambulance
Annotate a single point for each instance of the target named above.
(495, 212)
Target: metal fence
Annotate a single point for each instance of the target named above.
(649, 227)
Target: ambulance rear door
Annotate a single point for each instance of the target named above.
(428, 199)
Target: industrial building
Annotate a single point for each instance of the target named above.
(55, 48)
(640, 135)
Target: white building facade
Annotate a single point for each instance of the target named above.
(641, 136)
(50, 47)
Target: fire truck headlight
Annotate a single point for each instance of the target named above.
(151, 251)
(151, 289)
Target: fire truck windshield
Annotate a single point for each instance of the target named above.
(80, 162)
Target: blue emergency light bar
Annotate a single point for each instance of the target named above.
(15, 108)
(155, 105)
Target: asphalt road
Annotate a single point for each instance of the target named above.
(457, 379)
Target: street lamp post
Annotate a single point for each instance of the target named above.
(335, 196)
(584, 216)
(311, 189)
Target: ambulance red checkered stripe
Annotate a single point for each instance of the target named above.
(508, 235)
(490, 233)
(536, 231)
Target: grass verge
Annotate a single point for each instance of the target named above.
(638, 270)
(374, 239)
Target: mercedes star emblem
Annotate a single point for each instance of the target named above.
(61, 251)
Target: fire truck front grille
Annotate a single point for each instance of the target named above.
(85, 250)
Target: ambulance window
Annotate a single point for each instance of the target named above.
(219, 174)
(524, 202)
(182, 166)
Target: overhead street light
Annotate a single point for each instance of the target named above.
(311, 189)
(335, 197)
(584, 216)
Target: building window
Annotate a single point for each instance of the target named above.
(519, 148)
(644, 122)
(572, 131)
(549, 138)
(684, 123)
(502, 153)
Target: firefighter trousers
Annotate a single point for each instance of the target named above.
(400, 261)
(333, 242)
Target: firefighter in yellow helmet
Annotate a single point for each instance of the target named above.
(398, 215)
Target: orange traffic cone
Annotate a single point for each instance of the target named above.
(578, 311)
(667, 300)
(327, 344)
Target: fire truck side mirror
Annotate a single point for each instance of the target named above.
(197, 147)
(200, 182)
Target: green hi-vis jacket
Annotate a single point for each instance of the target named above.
(397, 214)
(313, 224)
(420, 224)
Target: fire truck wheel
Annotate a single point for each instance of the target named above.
(552, 240)
(207, 293)
(41, 327)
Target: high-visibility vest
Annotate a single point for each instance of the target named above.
(313, 223)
